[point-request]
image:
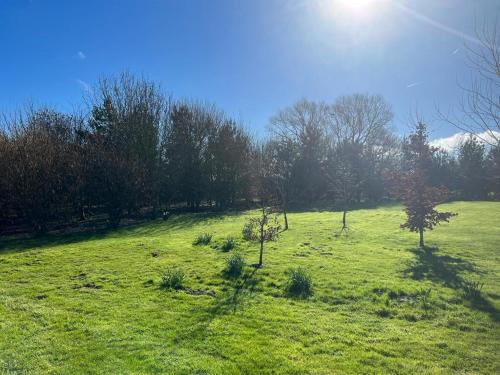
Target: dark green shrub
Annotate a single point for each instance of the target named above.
(299, 283)
(202, 239)
(228, 244)
(247, 231)
(234, 265)
(172, 279)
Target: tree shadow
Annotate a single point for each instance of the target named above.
(327, 206)
(480, 303)
(49, 240)
(147, 228)
(228, 303)
(446, 269)
(242, 290)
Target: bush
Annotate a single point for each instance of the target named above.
(228, 244)
(471, 289)
(202, 239)
(247, 232)
(234, 265)
(172, 279)
(299, 283)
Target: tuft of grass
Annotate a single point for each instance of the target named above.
(228, 244)
(425, 295)
(471, 289)
(299, 283)
(172, 278)
(202, 239)
(384, 312)
(234, 265)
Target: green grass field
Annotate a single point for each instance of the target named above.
(91, 303)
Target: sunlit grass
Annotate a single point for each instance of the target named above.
(93, 303)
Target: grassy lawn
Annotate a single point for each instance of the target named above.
(92, 303)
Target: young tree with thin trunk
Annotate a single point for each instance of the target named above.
(280, 157)
(418, 196)
(262, 229)
(344, 169)
(360, 137)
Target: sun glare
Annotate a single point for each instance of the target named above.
(353, 13)
(356, 8)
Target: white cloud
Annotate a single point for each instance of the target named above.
(81, 55)
(84, 85)
(456, 51)
(452, 143)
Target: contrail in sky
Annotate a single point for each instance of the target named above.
(435, 23)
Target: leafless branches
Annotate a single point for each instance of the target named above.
(479, 108)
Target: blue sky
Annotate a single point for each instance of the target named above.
(249, 57)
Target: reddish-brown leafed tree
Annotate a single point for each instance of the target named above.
(414, 190)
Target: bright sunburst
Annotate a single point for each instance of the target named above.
(356, 8)
(352, 11)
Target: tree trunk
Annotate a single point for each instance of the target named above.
(286, 218)
(261, 252)
(82, 213)
(421, 233)
(262, 236)
(344, 223)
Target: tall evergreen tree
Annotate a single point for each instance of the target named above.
(493, 171)
(228, 158)
(471, 162)
(414, 189)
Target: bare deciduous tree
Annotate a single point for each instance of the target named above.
(360, 138)
(362, 119)
(304, 125)
(262, 229)
(280, 159)
(479, 108)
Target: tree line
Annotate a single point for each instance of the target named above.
(138, 152)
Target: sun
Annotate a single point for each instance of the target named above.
(356, 8)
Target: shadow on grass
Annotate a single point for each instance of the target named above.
(225, 304)
(482, 304)
(48, 240)
(439, 268)
(151, 228)
(327, 206)
(446, 269)
(242, 290)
